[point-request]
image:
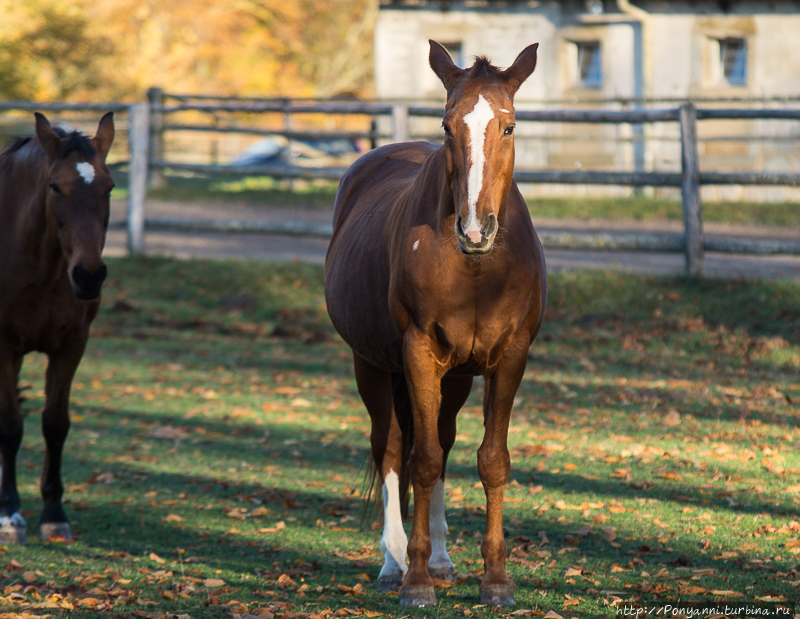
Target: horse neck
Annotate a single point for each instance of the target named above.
(24, 185)
(431, 184)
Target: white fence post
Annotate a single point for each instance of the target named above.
(155, 178)
(401, 132)
(690, 191)
(138, 138)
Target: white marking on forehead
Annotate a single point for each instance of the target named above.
(86, 170)
(415, 245)
(477, 121)
(502, 109)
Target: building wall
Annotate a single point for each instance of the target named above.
(683, 62)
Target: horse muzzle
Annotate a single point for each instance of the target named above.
(87, 284)
(482, 247)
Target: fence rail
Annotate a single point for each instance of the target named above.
(149, 120)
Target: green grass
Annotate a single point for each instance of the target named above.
(321, 194)
(653, 209)
(318, 194)
(654, 453)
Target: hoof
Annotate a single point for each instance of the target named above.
(420, 595)
(13, 534)
(390, 582)
(447, 573)
(497, 595)
(55, 530)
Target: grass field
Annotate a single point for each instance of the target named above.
(214, 466)
(321, 195)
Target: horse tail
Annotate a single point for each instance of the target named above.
(405, 419)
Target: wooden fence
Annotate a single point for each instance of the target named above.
(150, 119)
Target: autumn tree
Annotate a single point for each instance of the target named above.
(102, 49)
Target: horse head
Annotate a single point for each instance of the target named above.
(78, 199)
(479, 141)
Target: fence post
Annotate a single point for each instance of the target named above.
(156, 98)
(138, 135)
(401, 131)
(690, 191)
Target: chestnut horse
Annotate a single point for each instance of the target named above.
(54, 208)
(435, 275)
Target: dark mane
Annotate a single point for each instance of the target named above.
(483, 68)
(14, 145)
(74, 142)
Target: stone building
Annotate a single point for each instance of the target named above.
(617, 54)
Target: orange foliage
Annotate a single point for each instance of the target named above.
(112, 49)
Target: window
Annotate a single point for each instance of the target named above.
(733, 61)
(454, 49)
(590, 64)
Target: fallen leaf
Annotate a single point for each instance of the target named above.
(260, 511)
(169, 432)
(212, 583)
(173, 518)
(156, 558)
(285, 581)
(280, 526)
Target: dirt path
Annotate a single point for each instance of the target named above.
(269, 247)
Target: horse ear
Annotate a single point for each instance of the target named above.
(444, 67)
(105, 135)
(48, 139)
(522, 68)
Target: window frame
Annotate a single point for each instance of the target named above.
(596, 62)
(726, 45)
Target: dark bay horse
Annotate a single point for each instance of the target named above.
(54, 209)
(435, 275)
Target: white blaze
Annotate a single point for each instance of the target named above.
(477, 121)
(438, 528)
(86, 170)
(416, 244)
(394, 540)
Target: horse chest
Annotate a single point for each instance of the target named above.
(43, 318)
(470, 316)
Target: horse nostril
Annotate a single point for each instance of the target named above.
(86, 280)
(79, 274)
(491, 226)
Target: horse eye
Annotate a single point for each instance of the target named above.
(447, 131)
(56, 189)
(509, 130)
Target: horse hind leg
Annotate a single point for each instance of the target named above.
(375, 389)
(12, 524)
(55, 427)
(455, 391)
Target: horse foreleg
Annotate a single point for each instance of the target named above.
(455, 391)
(375, 389)
(493, 467)
(12, 524)
(55, 426)
(424, 377)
